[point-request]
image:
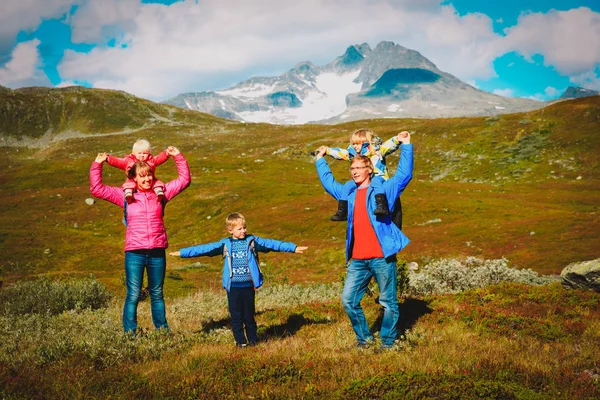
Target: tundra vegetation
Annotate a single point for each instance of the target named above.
(497, 207)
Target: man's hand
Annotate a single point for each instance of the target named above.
(174, 253)
(404, 137)
(300, 249)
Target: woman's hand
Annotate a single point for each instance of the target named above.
(172, 151)
(101, 157)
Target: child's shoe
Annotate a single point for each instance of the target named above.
(342, 212)
(159, 194)
(382, 205)
(129, 196)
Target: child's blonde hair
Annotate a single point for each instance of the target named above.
(361, 136)
(234, 219)
(141, 145)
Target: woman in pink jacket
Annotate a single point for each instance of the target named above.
(146, 237)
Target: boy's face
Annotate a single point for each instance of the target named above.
(238, 231)
(357, 147)
(141, 155)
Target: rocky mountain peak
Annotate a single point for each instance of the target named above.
(574, 92)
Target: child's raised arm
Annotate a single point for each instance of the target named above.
(117, 162)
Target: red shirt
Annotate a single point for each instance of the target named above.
(366, 245)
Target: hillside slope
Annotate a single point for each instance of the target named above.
(522, 186)
(37, 112)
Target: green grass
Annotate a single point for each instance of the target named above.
(448, 348)
(524, 187)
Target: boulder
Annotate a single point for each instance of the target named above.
(582, 275)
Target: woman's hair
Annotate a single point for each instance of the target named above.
(366, 161)
(139, 168)
(234, 219)
(140, 145)
(361, 135)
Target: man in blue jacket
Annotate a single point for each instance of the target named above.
(371, 241)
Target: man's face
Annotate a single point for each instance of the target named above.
(361, 172)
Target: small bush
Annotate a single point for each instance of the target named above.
(431, 386)
(454, 276)
(44, 296)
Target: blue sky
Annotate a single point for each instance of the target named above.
(158, 49)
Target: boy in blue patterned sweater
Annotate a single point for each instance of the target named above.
(241, 272)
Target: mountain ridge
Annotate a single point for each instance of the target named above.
(342, 90)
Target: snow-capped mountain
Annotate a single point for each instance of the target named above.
(389, 81)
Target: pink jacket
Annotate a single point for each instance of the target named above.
(127, 162)
(145, 224)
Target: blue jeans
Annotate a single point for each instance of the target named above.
(155, 264)
(358, 277)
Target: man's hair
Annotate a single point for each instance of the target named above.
(361, 135)
(366, 161)
(139, 168)
(141, 145)
(234, 219)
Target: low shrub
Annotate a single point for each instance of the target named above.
(433, 386)
(44, 296)
(455, 276)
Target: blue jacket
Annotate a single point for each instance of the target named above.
(223, 248)
(391, 239)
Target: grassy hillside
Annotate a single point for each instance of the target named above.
(523, 186)
(36, 112)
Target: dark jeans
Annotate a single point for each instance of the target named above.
(241, 309)
(154, 262)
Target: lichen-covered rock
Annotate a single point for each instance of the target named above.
(582, 275)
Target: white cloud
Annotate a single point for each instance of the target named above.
(26, 15)
(504, 92)
(588, 80)
(212, 44)
(568, 40)
(23, 67)
(552, 92)
(212, 39)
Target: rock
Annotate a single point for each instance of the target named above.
(89, 201)
(582, 275)
(413, 266)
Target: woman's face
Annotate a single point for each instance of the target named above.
(144, 182)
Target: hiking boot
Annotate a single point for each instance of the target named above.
(382, 208)
(159, 194)
(342, 211)
(129, 196)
